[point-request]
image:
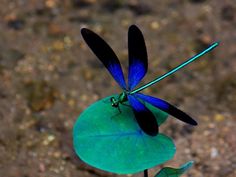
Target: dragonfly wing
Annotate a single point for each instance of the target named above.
(168, 108)
(144, 116)
(138, 63)
(105, 54)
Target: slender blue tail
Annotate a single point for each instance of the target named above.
(190, 60)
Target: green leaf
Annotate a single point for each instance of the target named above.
(174, 172)
(113, 141)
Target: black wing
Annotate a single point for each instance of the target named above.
(138, 62)
(105, 54)
(168, 108)
(146, 120)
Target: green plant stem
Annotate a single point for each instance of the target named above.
(145, 173)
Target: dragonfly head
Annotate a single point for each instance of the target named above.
(114, 102)
(120, 99)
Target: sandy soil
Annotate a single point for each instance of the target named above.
(48, 76)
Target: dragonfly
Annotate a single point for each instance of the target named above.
(138, 66)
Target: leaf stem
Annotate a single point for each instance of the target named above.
(145, 173)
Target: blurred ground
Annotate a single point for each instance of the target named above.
(48, 76)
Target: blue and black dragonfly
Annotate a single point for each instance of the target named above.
(138, 66)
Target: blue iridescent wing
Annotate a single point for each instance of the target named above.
(146, 120)
(105, 54)
(168, 108)
(138, 63)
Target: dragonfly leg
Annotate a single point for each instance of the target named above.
(118, 113)
(119, 109)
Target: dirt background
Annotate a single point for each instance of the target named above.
(48, 76)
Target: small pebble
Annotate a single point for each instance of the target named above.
(71, 102)
(214, 152)
(16, 24)
(48, 140)
(197, 1)
(219, 117)
(56, 30)
(14, 21)
(42, 167)
(155, 25)
(83, 3)
(228, 13)
(57, 154)
(140, 8)
(50, 3)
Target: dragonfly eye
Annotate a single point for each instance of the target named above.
(114, 103)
